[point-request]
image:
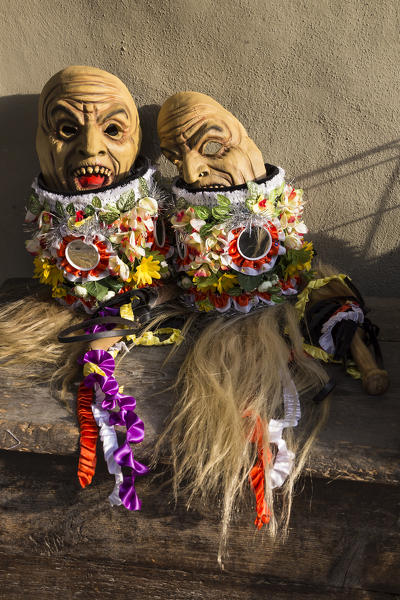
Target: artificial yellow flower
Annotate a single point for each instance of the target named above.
(204, 284)
(47, 272)
(148, 270)
(204, 305)
(58, 292)
(306, 266)
(226, 282)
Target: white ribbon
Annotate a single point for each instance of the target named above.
(109, 439)
(284, 458)
(326, 340)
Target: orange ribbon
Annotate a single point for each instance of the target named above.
(257, 474)
(88, 436)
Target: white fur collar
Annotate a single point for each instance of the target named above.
(107, 196)
(236, 196)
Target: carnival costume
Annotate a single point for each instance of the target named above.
(99, 242)
(240, 249)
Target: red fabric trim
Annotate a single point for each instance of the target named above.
(88, 436)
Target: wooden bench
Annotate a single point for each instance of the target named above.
(57, 539)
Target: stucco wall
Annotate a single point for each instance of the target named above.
(315, 82)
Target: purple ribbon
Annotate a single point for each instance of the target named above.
(123, 416)
(106, 311)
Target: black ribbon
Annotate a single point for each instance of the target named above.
(142, 301)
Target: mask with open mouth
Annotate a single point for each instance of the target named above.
(88, 132)
(94, 210)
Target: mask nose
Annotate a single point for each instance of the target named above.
(194, 167)
(91, 142)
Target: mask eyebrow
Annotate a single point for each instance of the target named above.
(196, 137)
(60, 108)
(117, 111)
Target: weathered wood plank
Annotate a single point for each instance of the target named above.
(360, 441)
(70, 579)
(343, 534)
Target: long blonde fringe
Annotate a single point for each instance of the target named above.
(28, 340)
(240, 365)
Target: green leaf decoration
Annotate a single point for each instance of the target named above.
(181, 203)
(249, 282)
(278, 299)
(70, 208)
(279, 190)
(144, 188)
(235, 291)
(250, 203)
(126, 201)
(202, 212)
(110, 214)
(223, 201)
(96, 201)
(60, 209)
(205, 230)
(254, 191)
(46, 206)
(89, 210)
(112, 283)
(33, 204)
(219, 213)
(155, 254)
(298, 256)
(96, 289)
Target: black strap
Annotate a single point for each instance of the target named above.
(132, 327)
(343, 334)
(141, 301)
(142, 297)
(324, 391)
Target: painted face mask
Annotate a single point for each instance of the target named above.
(208, 145)
(94, 209)
(239, 227)
(88, 133)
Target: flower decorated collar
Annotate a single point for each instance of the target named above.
(236, 194)
(139, 174)
(239, 246)
(89, 246)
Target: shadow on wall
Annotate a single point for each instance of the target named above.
(148, 120)
(19, 165)
(376, 275)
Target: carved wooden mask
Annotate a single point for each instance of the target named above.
(88, 132)
(208, 145)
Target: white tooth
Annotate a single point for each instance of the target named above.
(83, 171)
(96, 169)
(89, 170)
(102, 170)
